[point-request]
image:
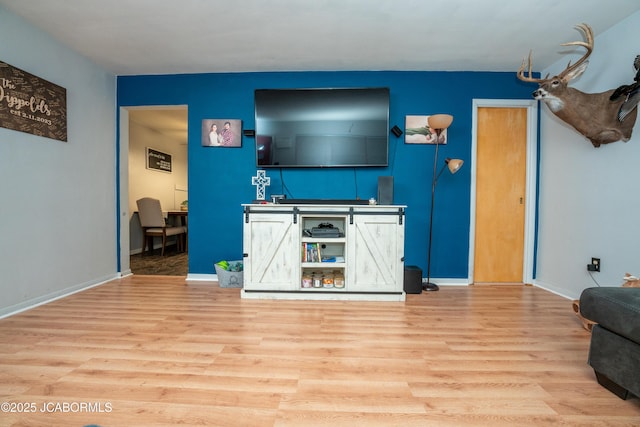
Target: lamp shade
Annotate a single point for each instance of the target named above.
(454, 165)
(440, 121)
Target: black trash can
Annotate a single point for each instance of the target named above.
(412, 279)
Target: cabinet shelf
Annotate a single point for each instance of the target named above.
(324, 240)
(324, 265)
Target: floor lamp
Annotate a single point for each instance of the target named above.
(438, 123)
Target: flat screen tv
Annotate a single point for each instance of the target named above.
(339, 127)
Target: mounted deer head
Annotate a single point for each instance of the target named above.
(594, 115)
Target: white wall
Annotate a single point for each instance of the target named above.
(58, 210)
(590, 197)
(169, 188)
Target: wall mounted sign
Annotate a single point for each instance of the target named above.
(157, 160)
(31, 104)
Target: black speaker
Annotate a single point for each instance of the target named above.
(385, 190)
(412, 279)
(396, 131)
(249, 132)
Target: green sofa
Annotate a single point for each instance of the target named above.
(614, 352)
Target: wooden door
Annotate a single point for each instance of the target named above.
(500, 195)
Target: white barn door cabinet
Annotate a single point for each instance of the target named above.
(323, 252)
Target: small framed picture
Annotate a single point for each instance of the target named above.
(157, 160)
(222, 133)
(417, 131)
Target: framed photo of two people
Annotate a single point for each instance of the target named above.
(222, 133)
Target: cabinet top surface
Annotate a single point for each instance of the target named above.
(303, 207)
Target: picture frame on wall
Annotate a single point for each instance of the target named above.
(417, 131)
(157, 160)
(32, 104)
(223, 133)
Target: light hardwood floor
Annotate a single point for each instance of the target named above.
(153, 350)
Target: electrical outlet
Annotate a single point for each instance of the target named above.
(595, 265)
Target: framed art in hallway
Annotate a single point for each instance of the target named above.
(157, 160)
(417, 131)
(222, 133)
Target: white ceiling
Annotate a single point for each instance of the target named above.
(129, 37)
(132, 37)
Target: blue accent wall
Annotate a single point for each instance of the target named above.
(220, 179)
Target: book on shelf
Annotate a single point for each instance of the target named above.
(311, 252)
(332, 258)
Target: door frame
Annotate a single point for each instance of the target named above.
(124, 265)
(530, 185)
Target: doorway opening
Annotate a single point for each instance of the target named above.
(153, 163)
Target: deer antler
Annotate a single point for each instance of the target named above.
(528, 78)
(586, 30)
(588, 44)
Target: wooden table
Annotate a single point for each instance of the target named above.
(182, 216)
(179, 214)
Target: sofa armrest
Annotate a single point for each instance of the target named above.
(614, 308)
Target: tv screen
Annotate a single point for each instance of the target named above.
(322, 127)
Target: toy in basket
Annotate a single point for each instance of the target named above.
(229, 274)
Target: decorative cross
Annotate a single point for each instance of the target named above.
(261, 180)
